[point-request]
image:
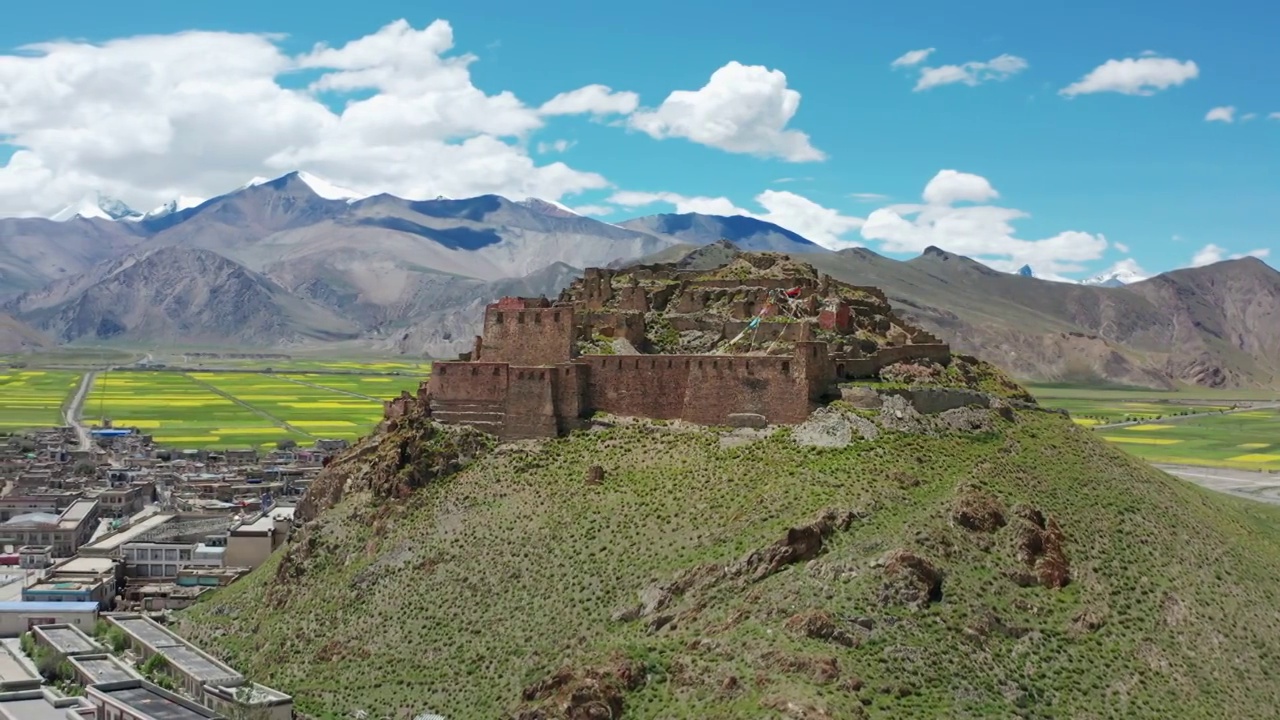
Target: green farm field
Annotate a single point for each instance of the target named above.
(1248, 440)
(238, 409)
(34, 398)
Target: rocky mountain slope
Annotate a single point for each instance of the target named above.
(411, 276)
(16, 336)
(982, 563)
(746, 233)
(183, 296)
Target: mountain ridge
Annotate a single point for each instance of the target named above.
(413, 275)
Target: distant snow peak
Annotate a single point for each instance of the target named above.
(182, 202)
(1121, 274)
(328, 190)
(549, 207)
(99, 206)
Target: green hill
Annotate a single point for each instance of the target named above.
(974, 564)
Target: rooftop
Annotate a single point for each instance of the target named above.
(58, 608)
(263, 524)
(77, 513)
(34, 518)
(103, 669)
(149, 702)
(34, 705)
(86, 565)
(111, 543)
(177, 651)
(68, 639)
(13, 670)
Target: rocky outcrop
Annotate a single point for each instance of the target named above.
(408, 453)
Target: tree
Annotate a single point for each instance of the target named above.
(287, 444)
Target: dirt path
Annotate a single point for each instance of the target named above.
(260, 413)
(1178, 418)
(71, 413)
(329, 389)
(1251, 484)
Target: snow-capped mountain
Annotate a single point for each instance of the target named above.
(549, 207)
(1122, 273)
(182, 202)
(96, 205)
(328, 190)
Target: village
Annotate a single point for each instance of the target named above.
(99, 541)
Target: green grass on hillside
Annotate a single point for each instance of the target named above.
(457, 598)
(34, 398)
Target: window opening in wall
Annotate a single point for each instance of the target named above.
(519, 318)
(537, 318)
(474, 370)
(786, 367)
(497, 318)
(497, 370)
(555, 317)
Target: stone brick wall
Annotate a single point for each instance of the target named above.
(708, 388)
(541, 336)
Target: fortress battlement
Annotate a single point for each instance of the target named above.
(762, 335)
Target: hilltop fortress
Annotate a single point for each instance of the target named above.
(761, 339)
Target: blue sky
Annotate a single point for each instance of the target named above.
(1148, 172)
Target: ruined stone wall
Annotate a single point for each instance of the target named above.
(706, 388)
(531, 403)
(509, 401)
(628, 325)
(528, 337)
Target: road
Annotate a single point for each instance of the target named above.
(71, 414)
(1190, 416)
(1260, 486)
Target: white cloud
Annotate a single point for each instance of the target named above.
(971, 73)
(949, 187)
(822, 225)
(557, 146)
(983, 232)
(741, 109)
(1248, 116)
(148, 118)
(1122, 247)
(1134, 76)
(912, 57)
(1273, 116)
(868, 197)
(593, 99)
(1210, 254)
(592, 209)
(1225, 113)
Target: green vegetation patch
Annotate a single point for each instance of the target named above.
(1247, 440)
(32, 399)
(525, 564)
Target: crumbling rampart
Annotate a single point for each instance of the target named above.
(781, 337)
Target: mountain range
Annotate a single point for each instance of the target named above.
(298, 261)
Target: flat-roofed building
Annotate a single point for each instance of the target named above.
(35, 557)
(249, 700)
(19, 617)
(250, 543)
(184, 662)
(44, 704)
(109, 545)
(140, 700)
(103, 668)
(66, 640)
(65, 532)
(15, 674)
